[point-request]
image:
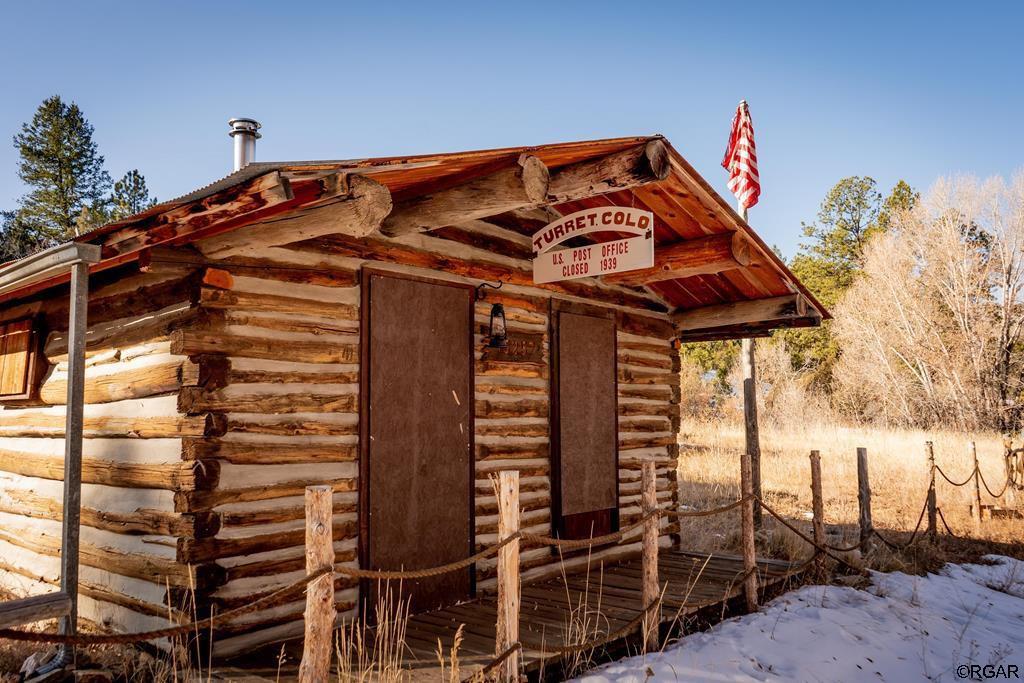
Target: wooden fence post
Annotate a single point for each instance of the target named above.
(507, 630)
(650, 592)
(973, 449)
(864, 500)
(1009, 497)
(932, 506)
(750, 425)
(747, 529)
(318, 645)
(818, 511)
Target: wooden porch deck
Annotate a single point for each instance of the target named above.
(695, 581)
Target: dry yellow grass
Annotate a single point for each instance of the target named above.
(709, 475)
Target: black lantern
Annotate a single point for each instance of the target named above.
(499, 335)
(497, 332)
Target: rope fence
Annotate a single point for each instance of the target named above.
(913, 535)
(508, 653)
(954, 483)
(1006, 484)
(270, 600)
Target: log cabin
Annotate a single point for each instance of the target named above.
(374, 324)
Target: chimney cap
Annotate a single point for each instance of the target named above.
(246, 126)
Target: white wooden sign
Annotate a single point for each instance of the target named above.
(617, 256)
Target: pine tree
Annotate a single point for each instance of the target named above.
(62, 167)
(131, 196)
(851, 213)
(902, 198)
(847, 220)
(18, 237)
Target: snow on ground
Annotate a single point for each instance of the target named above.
(901, 628)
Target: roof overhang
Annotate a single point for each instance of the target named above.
(689, 215)
(45, 265)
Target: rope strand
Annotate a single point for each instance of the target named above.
(946, 477)
(804, 536)
(984, 483)
(269, 600)
(913, 535)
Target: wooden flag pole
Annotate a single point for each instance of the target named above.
(750, 425)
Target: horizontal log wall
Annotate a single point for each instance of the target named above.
(282, 342)
(278, 347)
(132, 457)
(216, 392)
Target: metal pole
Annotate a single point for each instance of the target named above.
(73, 442)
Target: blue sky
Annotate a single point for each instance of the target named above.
(835, 89)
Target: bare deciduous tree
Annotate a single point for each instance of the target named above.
(930, 331)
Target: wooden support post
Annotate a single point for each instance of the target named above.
(864, 500)
(74, 427)
(650, 592)
(750, 422)
(932, 506)
(747, 528)
(507, 632)
(318, 645)
(818, 511)
(973, 449)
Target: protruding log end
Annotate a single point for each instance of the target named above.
(740, 249)
(372, 204)
(656, 154)
(536, 178)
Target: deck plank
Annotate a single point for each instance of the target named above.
(611, 596)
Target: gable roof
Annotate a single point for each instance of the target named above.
(684, 204)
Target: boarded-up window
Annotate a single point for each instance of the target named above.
(585, 420)
(17, 359)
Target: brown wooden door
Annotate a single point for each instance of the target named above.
(417, 435)
(585, 422)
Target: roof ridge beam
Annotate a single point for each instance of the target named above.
(523, 183)
(645, 163)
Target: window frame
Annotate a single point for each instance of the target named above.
(30, 386)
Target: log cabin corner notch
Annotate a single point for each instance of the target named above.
(229, 356)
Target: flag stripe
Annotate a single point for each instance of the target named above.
(741, 159)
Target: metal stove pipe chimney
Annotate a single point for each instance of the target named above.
(245, 133)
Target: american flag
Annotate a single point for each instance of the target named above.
(741, 159)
